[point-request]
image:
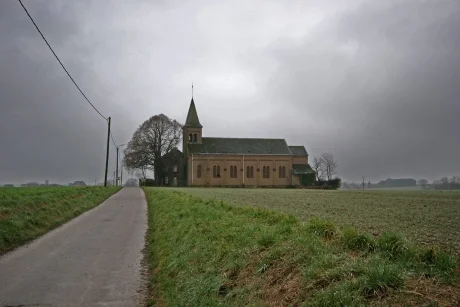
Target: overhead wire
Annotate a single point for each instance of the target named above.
(113, 140)
(57, 58)
(68, 74)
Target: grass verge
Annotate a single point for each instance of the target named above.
(26, 213)
(207, 253)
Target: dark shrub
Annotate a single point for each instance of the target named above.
(146, 182)
(331, 184)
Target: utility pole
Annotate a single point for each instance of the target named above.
(117, 162)
(116, 178)
(363, 183)
(107, 155)
(121, 175)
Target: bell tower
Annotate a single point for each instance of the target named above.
(192, 130)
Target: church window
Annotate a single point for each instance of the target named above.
(233, 171)
(250, 171)
(216, 171)
(266, 172)
(194, 138)
(190, 137)
(282, 172)
(198, 171)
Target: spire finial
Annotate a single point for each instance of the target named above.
(192, 89)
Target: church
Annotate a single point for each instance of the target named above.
(240, 162)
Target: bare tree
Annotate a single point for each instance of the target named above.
(152, 140)
(318, 167)
(329, 164)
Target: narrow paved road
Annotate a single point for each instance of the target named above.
(94, 260)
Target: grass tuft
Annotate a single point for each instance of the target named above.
(322, 228)
(356, 241)
(392, 244)
(266, 240)
(341, 296)
(379, 277)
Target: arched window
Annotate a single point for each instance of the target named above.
(266, 172)
(190, 137)
(198, 171)
(250, 172)
(194, 138)
(233, 171)
(218, 171)
(214, 171)
(282, 172)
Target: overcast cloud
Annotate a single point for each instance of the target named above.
(376, 83)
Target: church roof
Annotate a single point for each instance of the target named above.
(241, 146)
(192, 120)
(300, 169)
(299, 151)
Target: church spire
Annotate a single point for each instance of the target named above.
(192, 120)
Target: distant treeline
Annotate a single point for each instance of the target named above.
(388, 183)
(445, 183)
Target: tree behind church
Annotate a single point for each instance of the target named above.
(152, 140)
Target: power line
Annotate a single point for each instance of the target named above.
(113, 141)
(60, 61)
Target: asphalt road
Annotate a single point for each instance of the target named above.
(94, 260)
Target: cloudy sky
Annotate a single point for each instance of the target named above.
(376, 83)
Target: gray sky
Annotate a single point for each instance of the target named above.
(376, 83)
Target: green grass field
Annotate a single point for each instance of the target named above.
(26, 213)
(204, 252)
(427, 217)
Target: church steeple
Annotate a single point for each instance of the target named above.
(192, 130)
(192, 120)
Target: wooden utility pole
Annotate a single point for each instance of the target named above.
(116, 178)
(121, 173)
(107, 155)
